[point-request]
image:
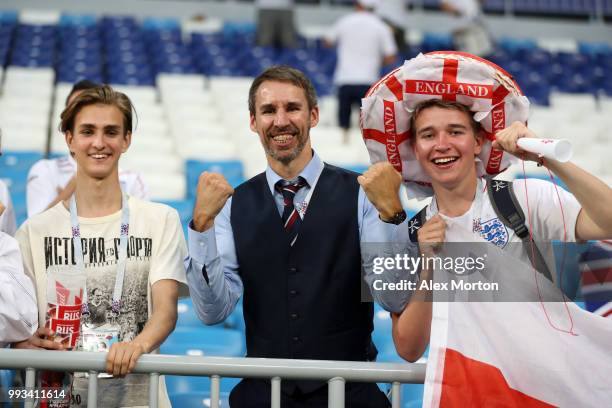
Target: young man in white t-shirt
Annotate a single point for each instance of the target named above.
(446, 140)
(91, 235)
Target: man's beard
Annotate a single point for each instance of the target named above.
(284, 156)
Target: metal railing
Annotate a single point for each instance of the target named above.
(336, 373)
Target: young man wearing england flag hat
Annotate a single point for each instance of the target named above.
(446, 138)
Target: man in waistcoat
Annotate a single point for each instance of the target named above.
(288, 240)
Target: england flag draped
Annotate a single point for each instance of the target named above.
(521, 354)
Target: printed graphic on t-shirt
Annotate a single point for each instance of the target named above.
(96, 251)
(100, 258)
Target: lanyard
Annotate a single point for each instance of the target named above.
(122, 260)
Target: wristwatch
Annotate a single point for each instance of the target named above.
(397, 218)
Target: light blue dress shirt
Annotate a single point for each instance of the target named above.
(216, 291)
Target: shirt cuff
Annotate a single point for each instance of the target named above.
(202, 245)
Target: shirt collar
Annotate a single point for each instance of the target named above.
(481, 186)
(310, 173)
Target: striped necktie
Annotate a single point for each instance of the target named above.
(291, 217)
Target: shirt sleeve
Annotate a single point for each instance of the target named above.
(8, 222)
(41, 189)
(170, 252)
(553, 210)
(212, 269)
(332, 35)
(135, 185)
(379, 241)
(18, 308)
(388, 42)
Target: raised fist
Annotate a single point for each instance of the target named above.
(381, 183)
(212, 193)
(431, 235)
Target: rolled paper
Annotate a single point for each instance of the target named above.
(560, 150)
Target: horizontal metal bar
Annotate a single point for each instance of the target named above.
(222, 366)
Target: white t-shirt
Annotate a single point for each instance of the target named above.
(540, 201)
(8, 223)
(48, 175)
(156, 250)
(18, 310)
(363, 40)
(547, 223)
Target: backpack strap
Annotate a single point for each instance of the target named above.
(415, 223)
(509, 211)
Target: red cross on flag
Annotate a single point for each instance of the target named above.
(508, 354)
(485, 88)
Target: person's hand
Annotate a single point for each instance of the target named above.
(506, 140)
(431, 235)
(40, 340)
(212, 193)
(122, 358)
(66, 192)
(381, 183)
(2, 208)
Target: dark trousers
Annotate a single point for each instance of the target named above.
(349, 95)
(253, 393)
(275, 28)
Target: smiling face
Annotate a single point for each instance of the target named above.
(283, 120)
(445, 145)
(97, 139)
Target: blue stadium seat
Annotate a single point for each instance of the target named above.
(187, 384)
(495, 6)
(232, 170)
(437, 42)
(183, 207)
(595, 49)
(187, 317)
(8, 16)
(382, 329)
(205, 341)
(77, 20)
(21, 161)
(517, 48)
(197, 400)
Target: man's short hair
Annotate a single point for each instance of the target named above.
(81, 86)
(442, 104)
(104, 95)
(283, 73)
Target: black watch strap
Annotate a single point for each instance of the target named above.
(397, 218)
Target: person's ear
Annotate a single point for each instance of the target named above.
(69, 139)
(314, 116)
(479, 140)
(128, 141)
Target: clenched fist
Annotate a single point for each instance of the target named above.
(506, 141)
(431, 235)
(212, 193)
(381, 183)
